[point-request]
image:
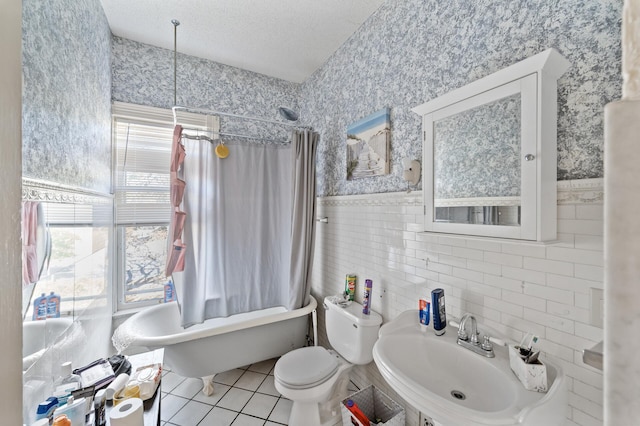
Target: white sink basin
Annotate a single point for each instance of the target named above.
(458, 387)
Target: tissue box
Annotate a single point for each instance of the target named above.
(532, 376)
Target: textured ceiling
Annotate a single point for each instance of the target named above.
(288, 39)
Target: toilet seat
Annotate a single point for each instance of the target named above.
(305, 367)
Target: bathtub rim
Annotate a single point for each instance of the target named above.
(188, 335)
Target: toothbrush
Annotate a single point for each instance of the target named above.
(534, 339)
(521, 345)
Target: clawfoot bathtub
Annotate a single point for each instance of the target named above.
(218, 344)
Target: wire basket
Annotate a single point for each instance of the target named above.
(376, 405)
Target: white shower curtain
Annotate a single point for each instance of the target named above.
(238, 210)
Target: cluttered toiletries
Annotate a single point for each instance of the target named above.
(87, 404)
(350, 286)
(366, 303)
(424, 307)
(439, 314)
(46, 306)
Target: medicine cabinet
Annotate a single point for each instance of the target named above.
(490, 153)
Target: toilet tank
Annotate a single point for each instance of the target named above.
(351, 333)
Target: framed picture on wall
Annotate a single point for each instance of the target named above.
(368, 143)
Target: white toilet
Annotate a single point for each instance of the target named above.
(315, 378)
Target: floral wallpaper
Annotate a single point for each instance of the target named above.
(408, 52)
(412, 51)
(66, 93)
(490, 135)
(143, 74)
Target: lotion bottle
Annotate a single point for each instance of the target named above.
(439, 314)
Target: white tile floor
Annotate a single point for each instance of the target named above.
(241, 397)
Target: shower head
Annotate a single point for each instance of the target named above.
(288, 114)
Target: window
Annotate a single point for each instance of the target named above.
(142, 139)
(77, 267)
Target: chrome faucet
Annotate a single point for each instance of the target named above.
(471, 341)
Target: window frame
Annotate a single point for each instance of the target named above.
(148, 116)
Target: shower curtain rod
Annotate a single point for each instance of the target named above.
(227, 114)
(237, 135)
(177, 108)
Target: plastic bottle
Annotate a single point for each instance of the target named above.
(357, 413)
(439, 313)
(53, 305)
(45, 409)
(425, 311)
(169, 292)
(350, 286)
(40, 308)
(62, 420)
(68, 381)
(99, 408)
(74, 410)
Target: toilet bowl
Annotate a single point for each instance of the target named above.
(315, 378)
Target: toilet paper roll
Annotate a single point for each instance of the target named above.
(127, 413)
(117, 385)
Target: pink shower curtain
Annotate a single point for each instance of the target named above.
(175, 256)
(29, 253)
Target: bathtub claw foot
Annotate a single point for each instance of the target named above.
(207, 385)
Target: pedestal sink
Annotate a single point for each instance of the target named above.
(455, 386)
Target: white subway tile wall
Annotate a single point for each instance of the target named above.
(514, 287)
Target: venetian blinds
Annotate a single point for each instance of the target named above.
(142, 148)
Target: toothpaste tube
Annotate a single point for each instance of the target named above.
(425, 313)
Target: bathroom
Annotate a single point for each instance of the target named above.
(407, 52)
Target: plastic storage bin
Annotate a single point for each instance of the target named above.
(378, 407)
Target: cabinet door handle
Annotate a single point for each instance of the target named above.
(529, 157)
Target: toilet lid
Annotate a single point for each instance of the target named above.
(305, 367)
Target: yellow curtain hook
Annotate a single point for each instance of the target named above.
(221, 150)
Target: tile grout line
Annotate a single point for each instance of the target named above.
(232, 386)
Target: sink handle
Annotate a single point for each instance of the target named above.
(462, 333)
(486, 343)
(497, 341)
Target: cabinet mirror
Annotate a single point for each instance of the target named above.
(489, 153)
